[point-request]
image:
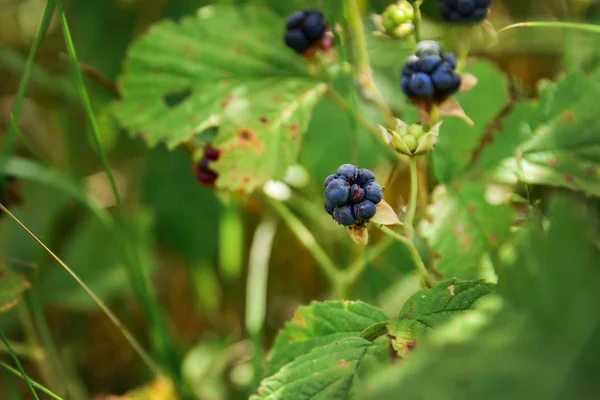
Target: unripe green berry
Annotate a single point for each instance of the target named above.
(388, 23)
(411, 142)
(397, 15)
(402, 130)
(416, 131)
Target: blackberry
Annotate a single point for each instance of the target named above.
(429, 74)
(204, 174)
(352, 195)
(464, 11)
(305, 29)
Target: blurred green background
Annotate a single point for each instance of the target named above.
(194, 248)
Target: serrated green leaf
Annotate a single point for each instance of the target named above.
(454, 149)
(429, 308)
(325, 373)
(320, 324)
(228, 66)
(554, 143)
(538, 338)
(12, 286)
(463, 228)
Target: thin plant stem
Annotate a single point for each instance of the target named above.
(43, 363)
(10, 135)
(412, 250)
(72, 387)
(414, 190)
(332, 273)
(128, 336)
(139, 278)
(363, 65)
(16, 360)
(355, 269)
(256, 289)
(28, 380)
(361, 120)
(85, 99)
(24, 350)
(417, 22)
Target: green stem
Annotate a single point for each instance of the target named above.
(361, 120)
(16, 360)
(256, 289)
(417, 22)
(28, 380)
(412, 250)
(363, 65)
(9, 137)
(85, 99)
(24, 350)
(412, 204)
(310, 243)
(358, 266)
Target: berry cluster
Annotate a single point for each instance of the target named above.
(429, 74)
(306, 29)
(465, 11)
(397, 19)
(204, 174)
(351, 195)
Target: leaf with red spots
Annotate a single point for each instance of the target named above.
(226, 67)
(12, 286)
(464, 230)
(552, 142)
(320, 324)
(430, 308)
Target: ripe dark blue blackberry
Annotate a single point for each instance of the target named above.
(429, 74)
(304, 30)
(464, 11)
(352, 195)
(337, 192)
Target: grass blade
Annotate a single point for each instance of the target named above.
(140, 281)
(128, 336)
(29, 380)
(553, 24)
(9, 138)
(16, 360)
(85, 99)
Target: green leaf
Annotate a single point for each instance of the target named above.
(228, 66)
(553, 143)
(454, 149)
(12, 287)
(538, 338)
(327, 372)
(320, 324)
(429, 308)
(464, 228)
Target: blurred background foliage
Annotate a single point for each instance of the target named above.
(195, 248)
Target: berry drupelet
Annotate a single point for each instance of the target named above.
(204, 174)
(352, 195)
(305, 30)
(464, 11)
(429, 73)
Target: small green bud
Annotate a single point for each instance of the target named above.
(397, 14)
(416, 131)
(411, 142)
